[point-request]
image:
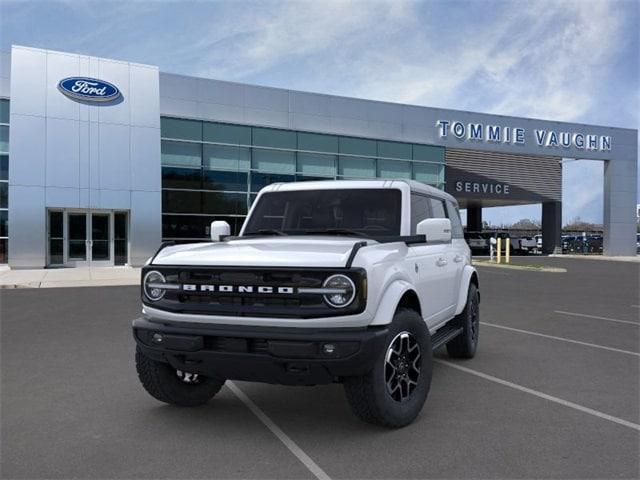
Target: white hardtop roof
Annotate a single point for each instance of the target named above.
(413, 185)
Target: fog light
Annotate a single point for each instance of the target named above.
(328, 348)
(157, 338)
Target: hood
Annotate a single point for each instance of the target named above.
(290, 251)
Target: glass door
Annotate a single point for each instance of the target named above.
(82, 238)
(77, 239)
(100, 241)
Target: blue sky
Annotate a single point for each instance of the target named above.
(562, 60)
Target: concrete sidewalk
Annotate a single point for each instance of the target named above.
(69, 277)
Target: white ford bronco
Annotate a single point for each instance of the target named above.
(355, 282)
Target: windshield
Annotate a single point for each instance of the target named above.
(358, 212)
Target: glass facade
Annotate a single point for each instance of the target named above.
(4, 180)
(212, 171)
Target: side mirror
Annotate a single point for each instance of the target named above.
(435, 229)
(219, 229)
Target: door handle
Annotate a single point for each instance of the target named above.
(458, 258)
(441, 262)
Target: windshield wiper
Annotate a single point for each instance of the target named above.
(339, 231)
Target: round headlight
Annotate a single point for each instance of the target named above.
(345, 291)
(150, 282)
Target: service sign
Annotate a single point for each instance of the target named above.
(88, 89)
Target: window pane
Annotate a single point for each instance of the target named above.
(419, 210)
(224, 133)
(394, 150)
(375, 212)
(55, 225)
(227, 158)
(4, 111)
(428, 153)
(120, 226)
(437, 208)
(179, 153)
(393, 169)
(195, 227)
(428, 173)
(317, 164)
(306, 178)
(175, 201)
(4, 251)
(276, 161)
(456, 224)
(185, 226)
(260, 180)
(317, 143)
(357, 167)
(4, 223)
(358, 146)
(56, 252)
(229, 203)
(4, 167)
(4, 193)
(183, 129)
(173, 177)
(4, 139)
(120, 252)
(218, 180)
(271, 137)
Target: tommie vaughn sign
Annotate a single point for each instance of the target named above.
(88, 89)
(478, 132)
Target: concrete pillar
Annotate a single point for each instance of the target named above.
(552, 227)
(620, 198)
(474, 218)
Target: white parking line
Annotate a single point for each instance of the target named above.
(277, 431)
(562, 339)
(573, 314)
(536, 393)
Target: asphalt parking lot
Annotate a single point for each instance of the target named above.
(553, 393)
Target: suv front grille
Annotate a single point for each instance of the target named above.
(280, 297)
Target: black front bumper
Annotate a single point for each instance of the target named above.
(288, 356)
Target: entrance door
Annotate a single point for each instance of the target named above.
(77, 240)
(87, 238)
(100, 241)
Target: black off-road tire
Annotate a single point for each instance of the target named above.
(466, 344)
(369, 396)
(163, 383)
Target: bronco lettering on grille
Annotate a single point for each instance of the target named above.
(190, 287)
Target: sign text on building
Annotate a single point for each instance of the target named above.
(517, 135)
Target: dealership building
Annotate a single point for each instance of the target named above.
(101, 160)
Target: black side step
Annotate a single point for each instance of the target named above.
(445, 334)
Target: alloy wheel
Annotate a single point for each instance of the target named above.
(402, 366)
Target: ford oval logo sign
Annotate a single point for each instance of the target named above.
(88, 89)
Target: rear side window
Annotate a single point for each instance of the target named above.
(456, 223)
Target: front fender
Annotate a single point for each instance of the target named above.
(467, 273)
(389, 303)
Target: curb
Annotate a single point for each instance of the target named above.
(520, 267)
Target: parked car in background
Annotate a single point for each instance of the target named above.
(538, 248)
(478, 243)
(528, 245)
